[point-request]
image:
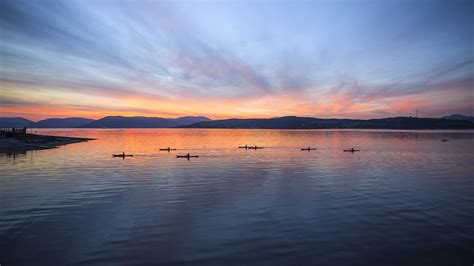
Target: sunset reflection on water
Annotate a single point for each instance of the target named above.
(404, 191)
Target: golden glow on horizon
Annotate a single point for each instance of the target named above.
(38, 103)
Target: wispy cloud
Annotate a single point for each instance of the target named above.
(236, 60)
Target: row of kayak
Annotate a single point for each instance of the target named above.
(123, 155)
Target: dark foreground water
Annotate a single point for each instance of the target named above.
(405, 199)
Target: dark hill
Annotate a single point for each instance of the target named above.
(460, 117)
(293, 122)
(7, 122)
(63, 122)
(143, 122)
(187, 120)
(130, 122)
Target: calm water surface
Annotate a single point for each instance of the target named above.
(405, 199)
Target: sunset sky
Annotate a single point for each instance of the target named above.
(223, 59)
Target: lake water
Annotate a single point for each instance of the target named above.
(405, 199)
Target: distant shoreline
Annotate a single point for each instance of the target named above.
(290, 129)
(36, 142)
(285, 122)
(293, 122)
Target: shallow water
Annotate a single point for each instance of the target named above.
(405, 199)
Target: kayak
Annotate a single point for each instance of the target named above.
(187, 156)
(122, 155)
(167, 149)
(308, 149)
(351, 150)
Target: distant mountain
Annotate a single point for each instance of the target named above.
(460, 117)
(288, 122)
(69, 122)
(187, 120)
(18, 122)
(293, 122)
(142, 122)
(130, 122)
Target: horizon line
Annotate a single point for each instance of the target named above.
(213, 119)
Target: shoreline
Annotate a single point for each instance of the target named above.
(36, 142)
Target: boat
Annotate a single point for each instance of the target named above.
(167, 149)
(122, 155)
(187, 156)
(243, 147)
(351, 150)
(308, 149)
(254, 147)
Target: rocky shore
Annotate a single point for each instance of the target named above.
(35, 142)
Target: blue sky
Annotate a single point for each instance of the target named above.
(236, 58)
